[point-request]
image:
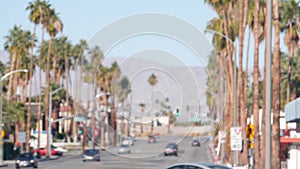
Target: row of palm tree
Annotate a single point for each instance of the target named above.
(234, 18)
(56, 56)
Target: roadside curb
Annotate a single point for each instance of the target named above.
(3, 165)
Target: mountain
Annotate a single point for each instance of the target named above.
(183, 85)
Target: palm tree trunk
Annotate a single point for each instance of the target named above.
(16, 133)
(40, 86)
(255, 103)
(11, 78)
(55, 78)
(241, 108)
(30, 90)
(67, 78)
(47, 91)
(276, 90)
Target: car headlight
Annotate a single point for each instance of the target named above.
(31, 161)
(18, 161)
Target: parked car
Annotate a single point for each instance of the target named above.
(42, 152)
(151, 139)
(213, 166)
(26, 160)
(171, 149)
(197, 165)
(91, 155)
(124, 149)
(63, 150)
(195, 142)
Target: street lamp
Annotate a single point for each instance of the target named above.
(1, 79)
(49, 120)
(234, 85)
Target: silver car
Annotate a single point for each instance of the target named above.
(91, 155)
(124, 148)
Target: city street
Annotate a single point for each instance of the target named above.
(143, 155)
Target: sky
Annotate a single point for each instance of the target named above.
(82, 19)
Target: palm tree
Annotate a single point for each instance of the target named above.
(35, 19)
(289, 17)
(152, 80)
(54, 26)
(41, 10)
(255, 102)
(142, 105)
(243, 13)
(17, 43)
(276, 88)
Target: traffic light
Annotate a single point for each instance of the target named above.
(250, 145)
(250, 134)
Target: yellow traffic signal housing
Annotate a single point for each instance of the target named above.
(250, 131)
(250, 145)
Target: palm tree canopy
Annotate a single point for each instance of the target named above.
(18, 41)
(152, 80)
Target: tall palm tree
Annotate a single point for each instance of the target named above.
(152, 80)
(17, 43)
(34, 17)
(243, 13)
(53, 28)
(276, 89)
(255, 102)
(42, 11)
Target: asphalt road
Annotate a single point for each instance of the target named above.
(143, 156)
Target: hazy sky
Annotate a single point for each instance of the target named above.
(82, 19)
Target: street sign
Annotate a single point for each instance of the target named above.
(236, 138)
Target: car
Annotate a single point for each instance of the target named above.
(91, 155)
(26, 160)
(195, 142)
(171, 149)
(213, 166)
(124, 149)
(197, 165)
(151, 139)
(128, 142)
(42, 152)
(59, 149)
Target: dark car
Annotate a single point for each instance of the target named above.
(26, 160)
(91, 155)
(171, 149)
(195, 142)
(151, 139)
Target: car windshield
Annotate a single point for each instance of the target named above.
(124, 146)
(91, 152)
(171, 145)
(26, 155)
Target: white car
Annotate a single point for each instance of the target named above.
(59, 149)
(124, 149)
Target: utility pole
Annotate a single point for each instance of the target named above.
(268, 85)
